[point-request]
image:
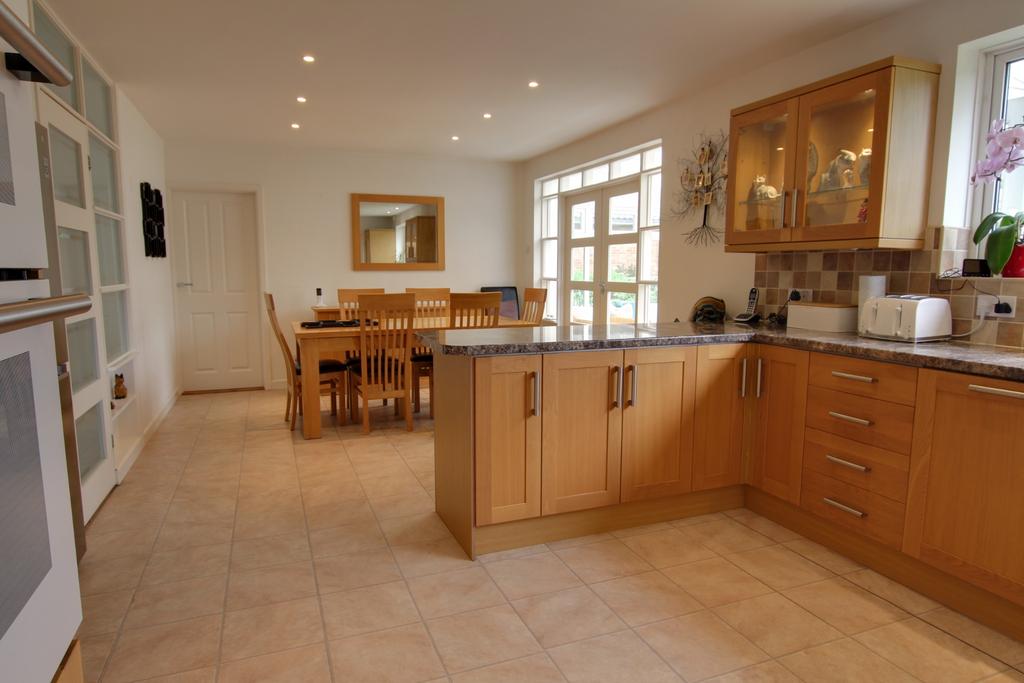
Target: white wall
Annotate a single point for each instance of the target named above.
(303, 197)
(930, 31)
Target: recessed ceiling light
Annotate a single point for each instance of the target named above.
(871, 130)
(308, 59)
(487, 116)
(533, 84)
(455, 138)
(295, 125)
(300, 99)
(779, 149)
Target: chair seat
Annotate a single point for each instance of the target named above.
(328, 365)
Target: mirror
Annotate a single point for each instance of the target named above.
(397, 232)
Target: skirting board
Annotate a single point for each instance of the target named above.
(987, 608)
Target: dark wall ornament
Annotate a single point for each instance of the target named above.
(702, 181)
(153, 221)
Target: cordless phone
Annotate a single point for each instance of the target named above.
(750, 316)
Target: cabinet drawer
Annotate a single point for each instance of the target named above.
(884, 381)
(854, 508)
(877, 470)
(867, 420)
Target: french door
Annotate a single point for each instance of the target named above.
(600, 261)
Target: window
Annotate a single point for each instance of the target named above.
(599, 238)
(1005, 100)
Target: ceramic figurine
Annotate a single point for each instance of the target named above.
(759, 191)
(120, 390)
(862, 212)
(840, 171)
(864, 170)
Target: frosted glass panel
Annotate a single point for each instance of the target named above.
(82, 353)
(108, 244)
(61, 48)
(92, 444)
(98, 110)
(104, 175)
(66, 160)
(73, 247)
(115, 324)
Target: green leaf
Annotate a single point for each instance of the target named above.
(1000, 246)
(988, 223)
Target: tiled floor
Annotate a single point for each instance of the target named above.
(235, 551)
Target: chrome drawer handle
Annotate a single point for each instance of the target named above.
(855, 378)
(847, 463)
(850, 418)
(995, 391)
(757, 394)
(743, 378)
(845, 508)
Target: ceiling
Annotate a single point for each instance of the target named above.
(407, 75)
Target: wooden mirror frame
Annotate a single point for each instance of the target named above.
(357, 199)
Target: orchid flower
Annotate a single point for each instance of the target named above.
(1004, 152)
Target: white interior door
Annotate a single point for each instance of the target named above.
(214, 256)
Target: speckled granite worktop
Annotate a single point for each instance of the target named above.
(953, 356)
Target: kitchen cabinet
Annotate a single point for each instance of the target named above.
(842, 163)
(780, 395)
(722, 398)
(964, 505)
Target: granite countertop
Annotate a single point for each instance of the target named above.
(988, 361)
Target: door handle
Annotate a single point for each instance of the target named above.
(743, 378)
(759, 364)
(796, 193)
(535, 408)
(995, 391)
(782, 208)
(184, 284)
(846, 463)
(845, 508)
(850, 418)
(851, 376)
(633, 372)
(617, 401)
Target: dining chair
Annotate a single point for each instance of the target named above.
(431, 312)
(348, 300)
(534, 299)
(331, 372)
(474, 310)
(383, 369)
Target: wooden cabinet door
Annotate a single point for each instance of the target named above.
(723, 371)
(780, 392)
(582, 430)
(657, 421)
(964, 506)
(507, 427)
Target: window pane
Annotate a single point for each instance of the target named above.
(581, 306)
(648, 304)
(582, 259)
(652, 158)
(627, 166)
(73, 249)
(66, 160)
(549, 259)
(98, 109)
(649, 243)
(551, 303)
(598, 174)
(1010, 190)
(549, 217)
(92, 444)
(582, 220)
(653, 200)
(622, 262)
(623, 211)
(115, 324)
(621, 308)
(62, 48)
(82, 354)
(108, 244)
(549, 187)
(104, 175)
(570, 182)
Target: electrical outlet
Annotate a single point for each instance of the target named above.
(805, 294)
(986, 306)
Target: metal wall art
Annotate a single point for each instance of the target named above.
(702, 180)
(153, 221)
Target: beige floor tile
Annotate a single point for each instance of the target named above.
(1007, 676)
(616, 658)
(271, 628)
(643, 529)
(103, 613)
(333, 513)
(209, 510)
(351, 613)
(385, 487)
(643, 598)
(578, 540)
(927, 653)
(845, 605)
(279, 583)
(105, 576)
(420, 559)
(115, 544)
(819, 554)
(535, 669)
(982, 637)
(777, 625)
(307, 664)
(402, 505)
(716, 582)
(265, 552)
(667, 548)
(765, 672)
(176, 535)
(257, 519)
(187, 563)
(414, 529)
(779, 567)
(95, 650)
(603, 560)
(701, 519)
(350, 538)
(175, 601)
(208, 674)
(701, 645)
(165, 649)
(398, 655)
(766, 527)
(567, 616)
(844, 661)
(896, 593)
(438, 595)
(513, 553)
(726, 536)
(355, 570)
(531, 575)
(474, 639)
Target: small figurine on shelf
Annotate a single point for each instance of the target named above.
(120, 389)
(862, 212)
(865, 166)
(319, 296)
(840, 171)
(759, 191)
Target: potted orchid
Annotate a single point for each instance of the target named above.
(1004, 153)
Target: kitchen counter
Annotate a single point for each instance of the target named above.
(988, 361)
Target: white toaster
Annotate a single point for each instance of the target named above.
(907, 317)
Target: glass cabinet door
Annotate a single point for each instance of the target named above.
(761, 170)
(839, 170)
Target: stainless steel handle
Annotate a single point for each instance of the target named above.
(847, 463)
(15, 316)
(845, 508)
(850, 418)
(617, 402)
(634, 371)
(743, 378)
(995, 391)
(21, 38)
(792, 222)
(184, 284)
(535, 408)
(782, 208)
(855, 378)
(757, 394)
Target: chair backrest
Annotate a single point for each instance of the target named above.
(348, 300)
(286, 351)
(432, 305)
(534, 299)
(475, 310)
(385, 339)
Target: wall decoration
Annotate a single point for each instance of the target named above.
(702, 182)
(120, 388)
(153, 221)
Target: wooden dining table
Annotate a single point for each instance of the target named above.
(337, 342)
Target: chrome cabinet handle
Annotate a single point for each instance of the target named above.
(633, 372)
(845, 508)
(850, 418)
(782, 208)
(847, 463)
(535, 408)
(855, 378)
(995, 391)
(617, 402)
(743, 378)
(796, 193)
(757, 394)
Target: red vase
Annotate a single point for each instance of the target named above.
(1015, 266)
